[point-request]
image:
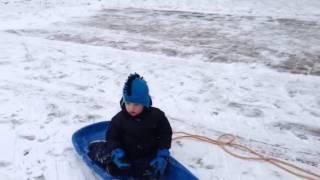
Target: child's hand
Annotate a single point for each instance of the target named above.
(117, 156)
(159, 163)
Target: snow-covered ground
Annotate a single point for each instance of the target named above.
(249, 68)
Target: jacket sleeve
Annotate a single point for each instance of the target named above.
(113, 135)
(164, 132)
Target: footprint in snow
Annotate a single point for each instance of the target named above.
(299, 130)
(40, 177)
(4, 164)
(246, 110)
(28, 137)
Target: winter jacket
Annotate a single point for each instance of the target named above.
(140, 136)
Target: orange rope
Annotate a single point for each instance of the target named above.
(227, 140)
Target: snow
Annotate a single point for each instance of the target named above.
(249, 68)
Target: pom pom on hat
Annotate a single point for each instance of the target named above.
(136, 90)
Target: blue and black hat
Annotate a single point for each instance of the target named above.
(136, 90)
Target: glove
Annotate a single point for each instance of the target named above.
(117, 156)
(159, 163)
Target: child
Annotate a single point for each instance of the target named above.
(139, 136)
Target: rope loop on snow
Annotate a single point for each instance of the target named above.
(227, 141)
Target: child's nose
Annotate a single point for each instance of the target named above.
(130, 107)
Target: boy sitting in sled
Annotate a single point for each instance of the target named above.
(139, 136)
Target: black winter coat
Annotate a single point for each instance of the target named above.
(140, 136)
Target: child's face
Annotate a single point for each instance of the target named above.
(134, 109)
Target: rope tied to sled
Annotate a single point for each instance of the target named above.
(228, 140)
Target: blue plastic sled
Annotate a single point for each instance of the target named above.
(82, 138)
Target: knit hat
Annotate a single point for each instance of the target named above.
(136, 90)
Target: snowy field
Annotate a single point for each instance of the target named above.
(249, 68)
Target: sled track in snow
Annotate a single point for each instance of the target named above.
(208, 37)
